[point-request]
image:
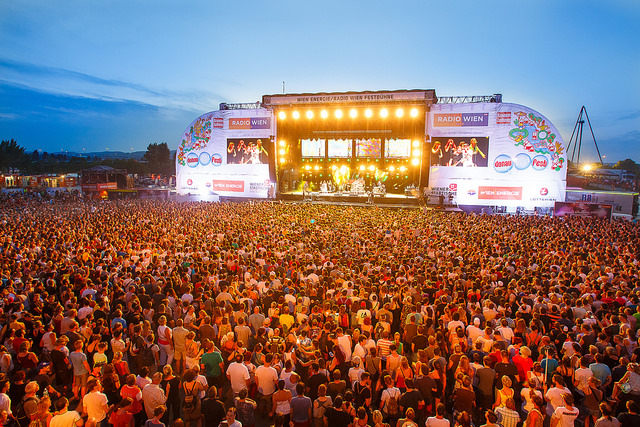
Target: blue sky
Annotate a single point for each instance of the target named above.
(79, 75)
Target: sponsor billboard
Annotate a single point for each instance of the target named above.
(225, 153)
(496, 154)
(587, 210)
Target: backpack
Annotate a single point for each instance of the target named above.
(189, 400)
(21, 414)
(392, 403)
(145, 356)
(321, 409)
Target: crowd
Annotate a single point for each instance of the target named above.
(243, 314)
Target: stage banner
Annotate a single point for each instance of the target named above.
(496, 154)
(225, 153)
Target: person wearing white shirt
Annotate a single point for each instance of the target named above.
(95, 403)
(554, 394)
(238, 375)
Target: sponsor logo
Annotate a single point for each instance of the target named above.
(502, 163)
(544, 191)
(503, 118)
(453, 186)
(192, 160)
(207, 184)
(259, 186)
(224, 185)
(471, 192)
(461, 119)
(218, 123)
(500, 193)
(205, 158)
(539, 163)
(189, 181)
(216, 159)
(250, 123)
(522, 161)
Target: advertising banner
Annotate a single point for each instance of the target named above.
(225, 153)
(496, 154)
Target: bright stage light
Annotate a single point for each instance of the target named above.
(338, 114)
(392, 168)
(399, 112)
(414, 112)
(362, 167)
(416, 144)
(415, 161)
(296, 115)
(402, 169)
(309, 114)
(316, 167)
(384, 113)
(586, 167)
(416, 153)
(368, 113)
(282, 152)
(282, 160)
(282, 143)
(334, 167)
(324, 114)
(282, 115)
(308, 167)
(353, 113)
(344, 169)
(372, 168)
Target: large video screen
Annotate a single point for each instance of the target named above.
(339, 148)
(397, 148)
(242, 151)
(460, 152)
(313, 147)
(368, 147)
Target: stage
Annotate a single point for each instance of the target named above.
(346, 198)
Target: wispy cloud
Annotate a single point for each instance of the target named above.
(56, 80)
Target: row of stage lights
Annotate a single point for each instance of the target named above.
(362, 168)
(415, 159)
(353, 113)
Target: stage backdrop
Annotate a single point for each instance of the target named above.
(496, 154)
(226, 153)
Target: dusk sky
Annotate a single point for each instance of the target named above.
(91, 75)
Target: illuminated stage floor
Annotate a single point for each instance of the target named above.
(389, 200)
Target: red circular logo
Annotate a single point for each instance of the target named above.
(189, 181)
(544, 191)
(453, 186)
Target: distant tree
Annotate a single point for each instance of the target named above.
(11, 155)
(628, 165)
(158, 157)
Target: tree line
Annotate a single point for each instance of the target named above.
(14, 158)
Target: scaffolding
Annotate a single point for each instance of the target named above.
(496, 97)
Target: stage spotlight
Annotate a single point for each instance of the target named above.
(344, 169)
(414, 112)
(415, 161)
(399, 112)
(402, 169)
(362, 167)
(282, 152)
(586, 167)
(353, 113)
(392, 168)
(296, 115)
(384, 113)
(282, 115)
(372, 168)
(282, 143)
(416, 153)
(338, 114)
(309, 114)
(368, 113)
(416, 144)
(334, 167)
(316, 167)
(324, 114)
(282, 160)
(308, 167)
